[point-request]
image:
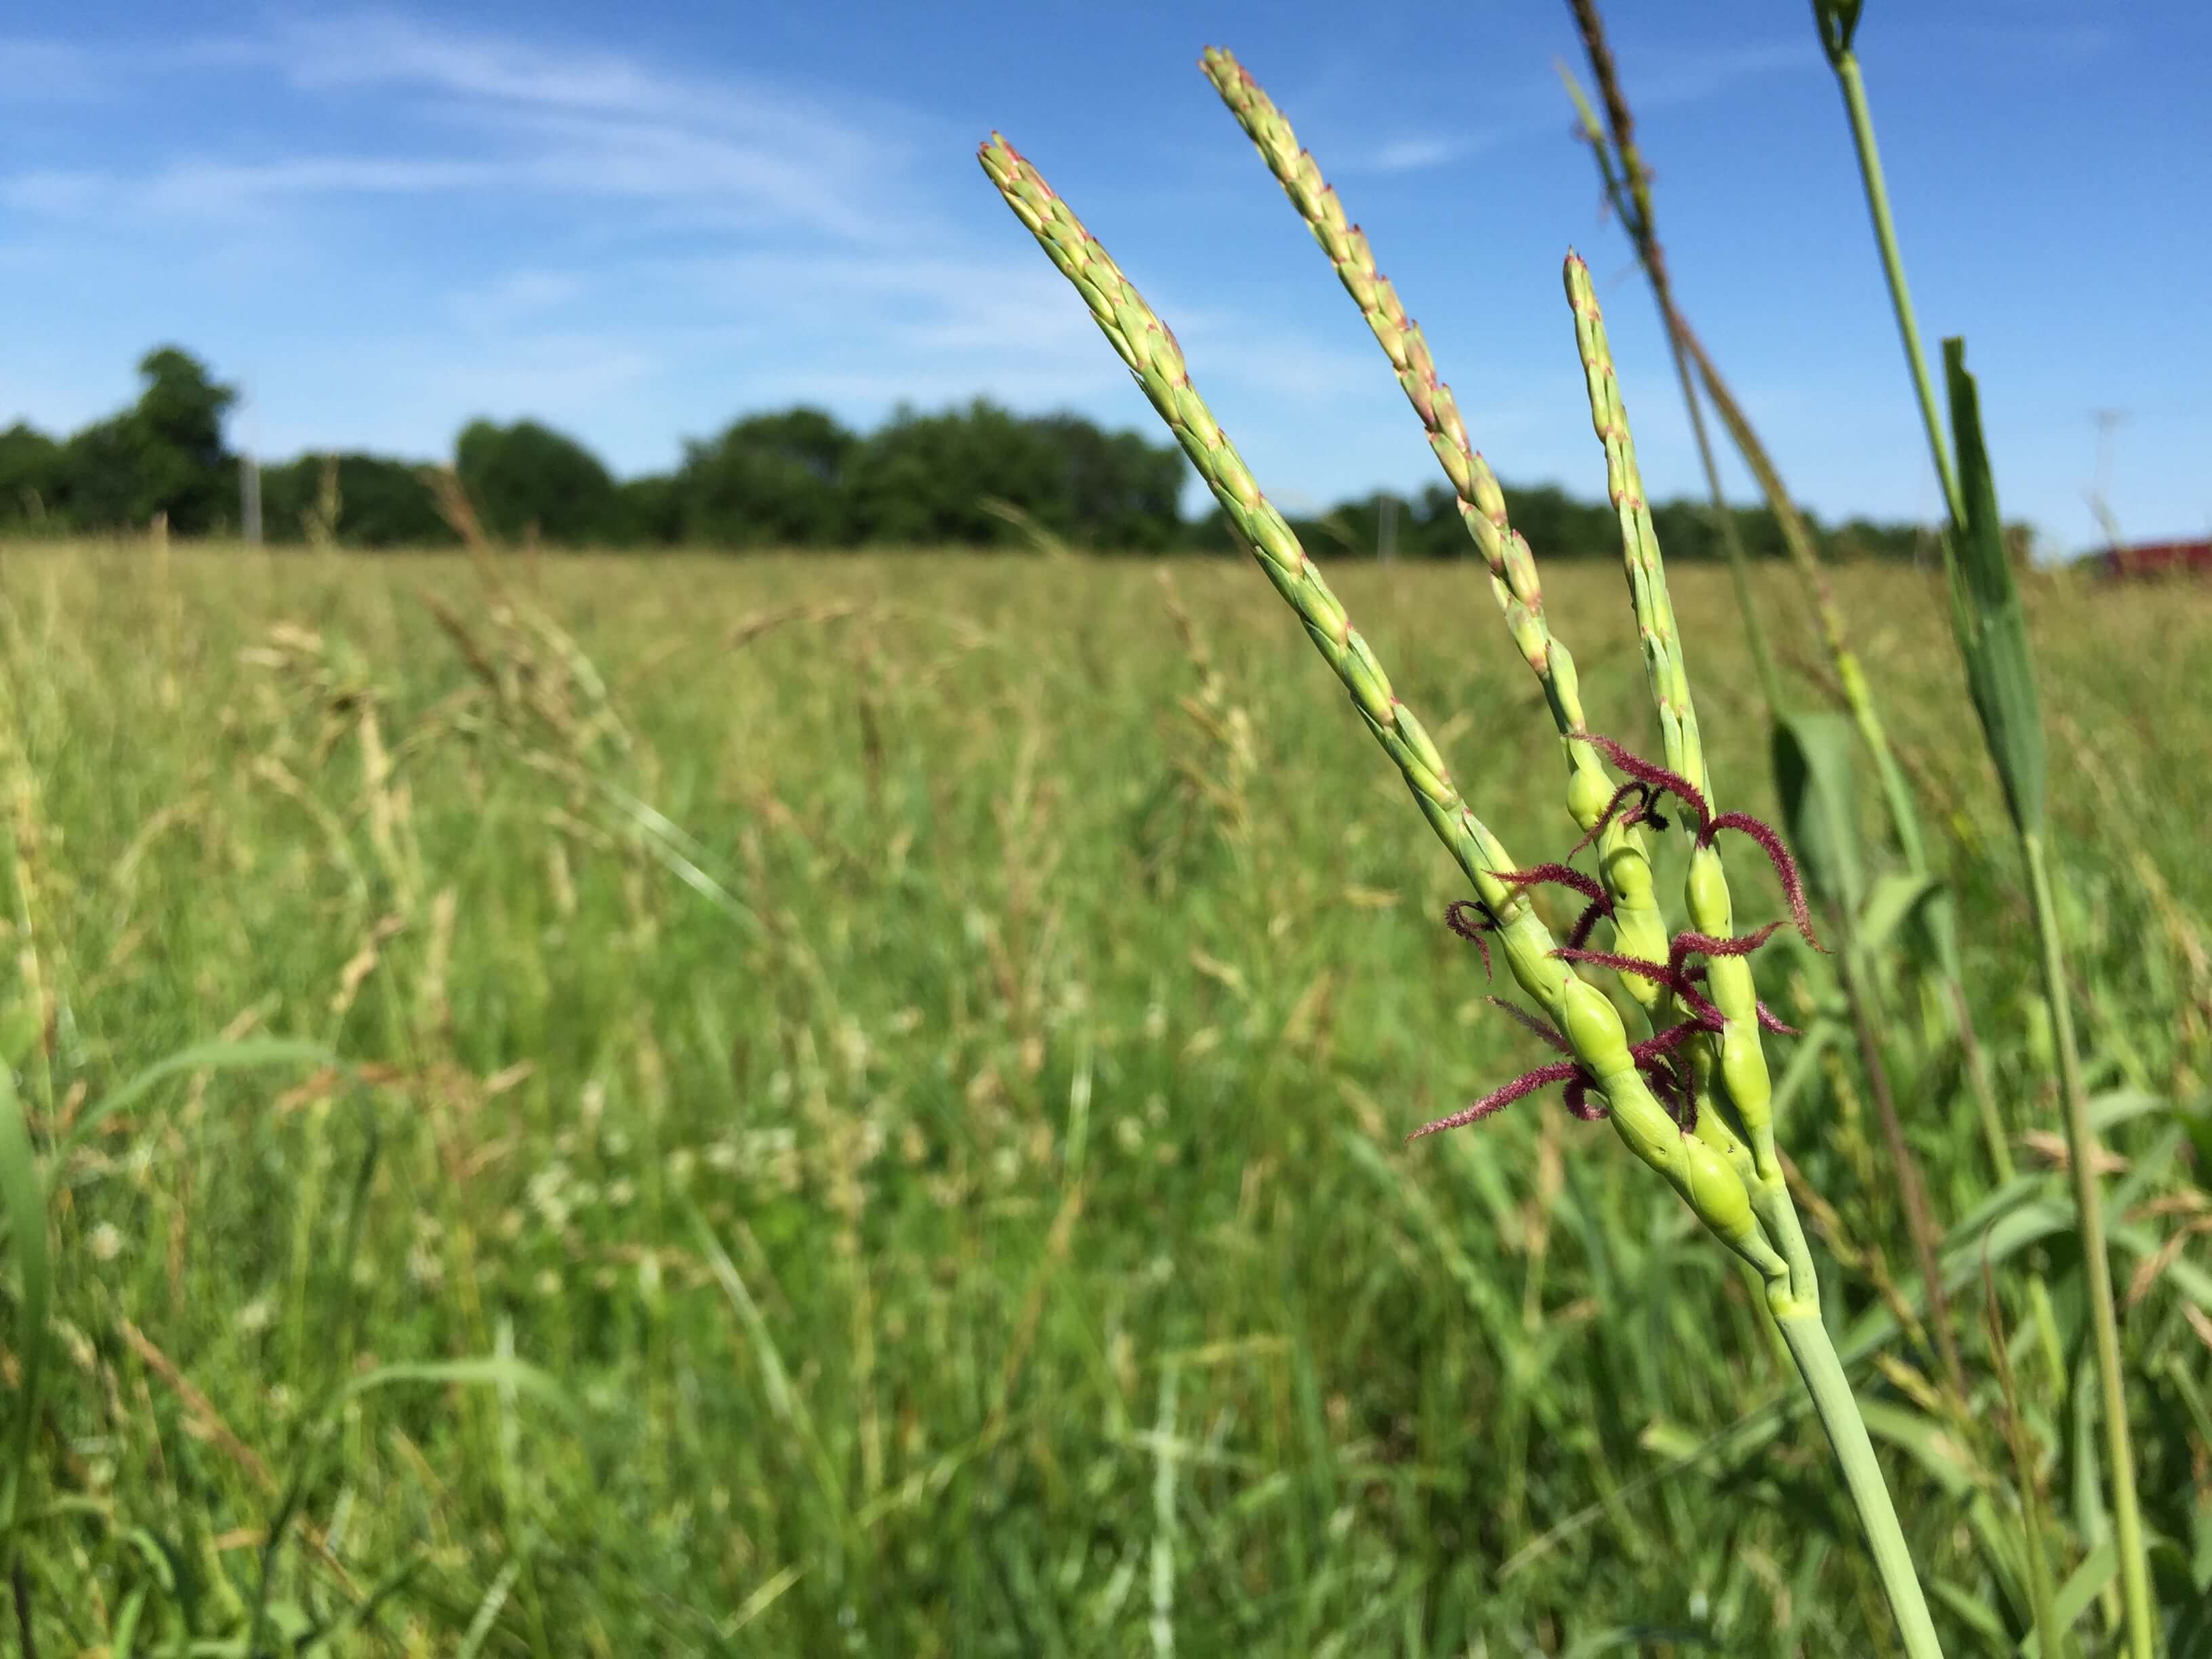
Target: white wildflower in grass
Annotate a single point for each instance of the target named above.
(680, 1164)
(771, 1156)
(620, 1193)
(256, 1316)
(854, 1047)
(105, 1242)
(425, 1266)
(548, 1193)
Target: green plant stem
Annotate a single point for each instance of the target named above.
(1893, 266)
(2083, 1152)
(1911, 1190)
(2000, 1165)
(2082, 1147)
(1630, 189)
(1823, 1373)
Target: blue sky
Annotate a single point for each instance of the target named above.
(638, 222)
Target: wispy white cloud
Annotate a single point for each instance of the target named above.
(516, 297)
(49, 72)
(1663, 78)
(476, 112)
(1411, 155)
(588, 119)
(1666, 76)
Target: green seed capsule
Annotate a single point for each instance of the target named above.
(1743, 1069)
(1707, 894)
(1643, 1125)
(1588, 791)
(1593, 1029)
(1715, 1192)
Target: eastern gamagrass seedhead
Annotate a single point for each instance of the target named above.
(1689, 1093)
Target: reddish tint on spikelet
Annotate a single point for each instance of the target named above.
(1648, 780)
(1655, 1057)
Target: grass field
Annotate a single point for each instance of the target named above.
(915, 1049)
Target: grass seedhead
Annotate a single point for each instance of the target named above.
(1647, 780)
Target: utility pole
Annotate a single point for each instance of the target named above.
(249, 479)
(2100, 499)
(249, 498)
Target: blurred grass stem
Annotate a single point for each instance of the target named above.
(1838, 21)
(1846, 65)
(2083, 1155)
(1817, 1362)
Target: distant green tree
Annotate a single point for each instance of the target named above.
(527, 475)
(769, 481)
(30, 480)
(923, 480)
(382, 502)
(163, 454)
(1122, 493)
(794, 477)
(650, 510)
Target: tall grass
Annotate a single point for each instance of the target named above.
(906, 1045)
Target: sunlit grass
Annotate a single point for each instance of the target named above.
(917, 1049)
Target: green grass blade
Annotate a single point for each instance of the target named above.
(24, 1197)
(1813, 773)
(2083, 1587)
(1986, 611)
(245, 1055)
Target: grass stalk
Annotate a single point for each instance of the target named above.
(1911, 1188)
(1706, 1177)
(1630, 186)
(1836, 23)
(1624, 857)
(2084, 1152)
(1755, 1217)
(1993, 640)
(1627, 178)
(1831, 1390)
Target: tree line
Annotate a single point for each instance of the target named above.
(979, 476)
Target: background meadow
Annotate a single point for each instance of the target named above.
(916, 1047)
